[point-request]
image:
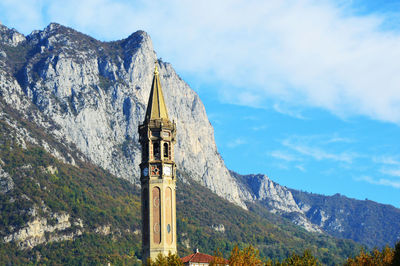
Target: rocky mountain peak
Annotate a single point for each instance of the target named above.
(276, 198)
(10, 37)
(61, 38)
(96, 93)
(137, 39)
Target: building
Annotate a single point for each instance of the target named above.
(158, 176)
(199, 259)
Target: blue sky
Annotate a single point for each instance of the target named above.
(307, 92)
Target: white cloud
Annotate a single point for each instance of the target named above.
(282, 155)
(319, 153)
(287, 111)
(301, 167)
(381, 181)
(387, 160)
(215, 118)
(306, 53)
(22, 15)
(299, 53)
(391, 171)
(259, 128)
(236, 142)
(337, 139)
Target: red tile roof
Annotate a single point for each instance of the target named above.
(199, 257)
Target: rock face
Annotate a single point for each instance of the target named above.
(6, 182)
(276, 198)
(10, 36)
(34, 233)
(93, 94)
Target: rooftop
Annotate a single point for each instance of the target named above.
(199, 258)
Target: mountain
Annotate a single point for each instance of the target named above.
(84, 99)
(61, 213)
(364, 221)
(275, 198)
(95, 93)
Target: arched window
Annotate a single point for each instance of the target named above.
(166, 152)
(156, 150)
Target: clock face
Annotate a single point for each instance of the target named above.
(167, 170)
(146, 171)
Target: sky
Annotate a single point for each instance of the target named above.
(307, 92)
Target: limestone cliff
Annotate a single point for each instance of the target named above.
(93, 94)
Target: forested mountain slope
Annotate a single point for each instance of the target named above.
(364, 221)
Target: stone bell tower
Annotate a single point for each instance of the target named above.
(158, 176)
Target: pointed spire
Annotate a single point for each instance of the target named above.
(156, 108)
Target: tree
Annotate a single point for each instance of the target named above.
(174, 260)
(396, 255)
(236, 257)
(161, 260)
(306, 259)
(249, 256)
(218, 259)
(375, 257)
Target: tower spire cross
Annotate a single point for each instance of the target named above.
(155, 67)
(156, 108)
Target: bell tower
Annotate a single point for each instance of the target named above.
(158, 176)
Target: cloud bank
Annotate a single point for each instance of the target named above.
(300, 53)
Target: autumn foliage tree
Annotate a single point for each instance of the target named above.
(306, 259)
(375, 257)
(218, 259)
(249, 256)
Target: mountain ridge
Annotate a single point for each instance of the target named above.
(91, 95)
(337, 213)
